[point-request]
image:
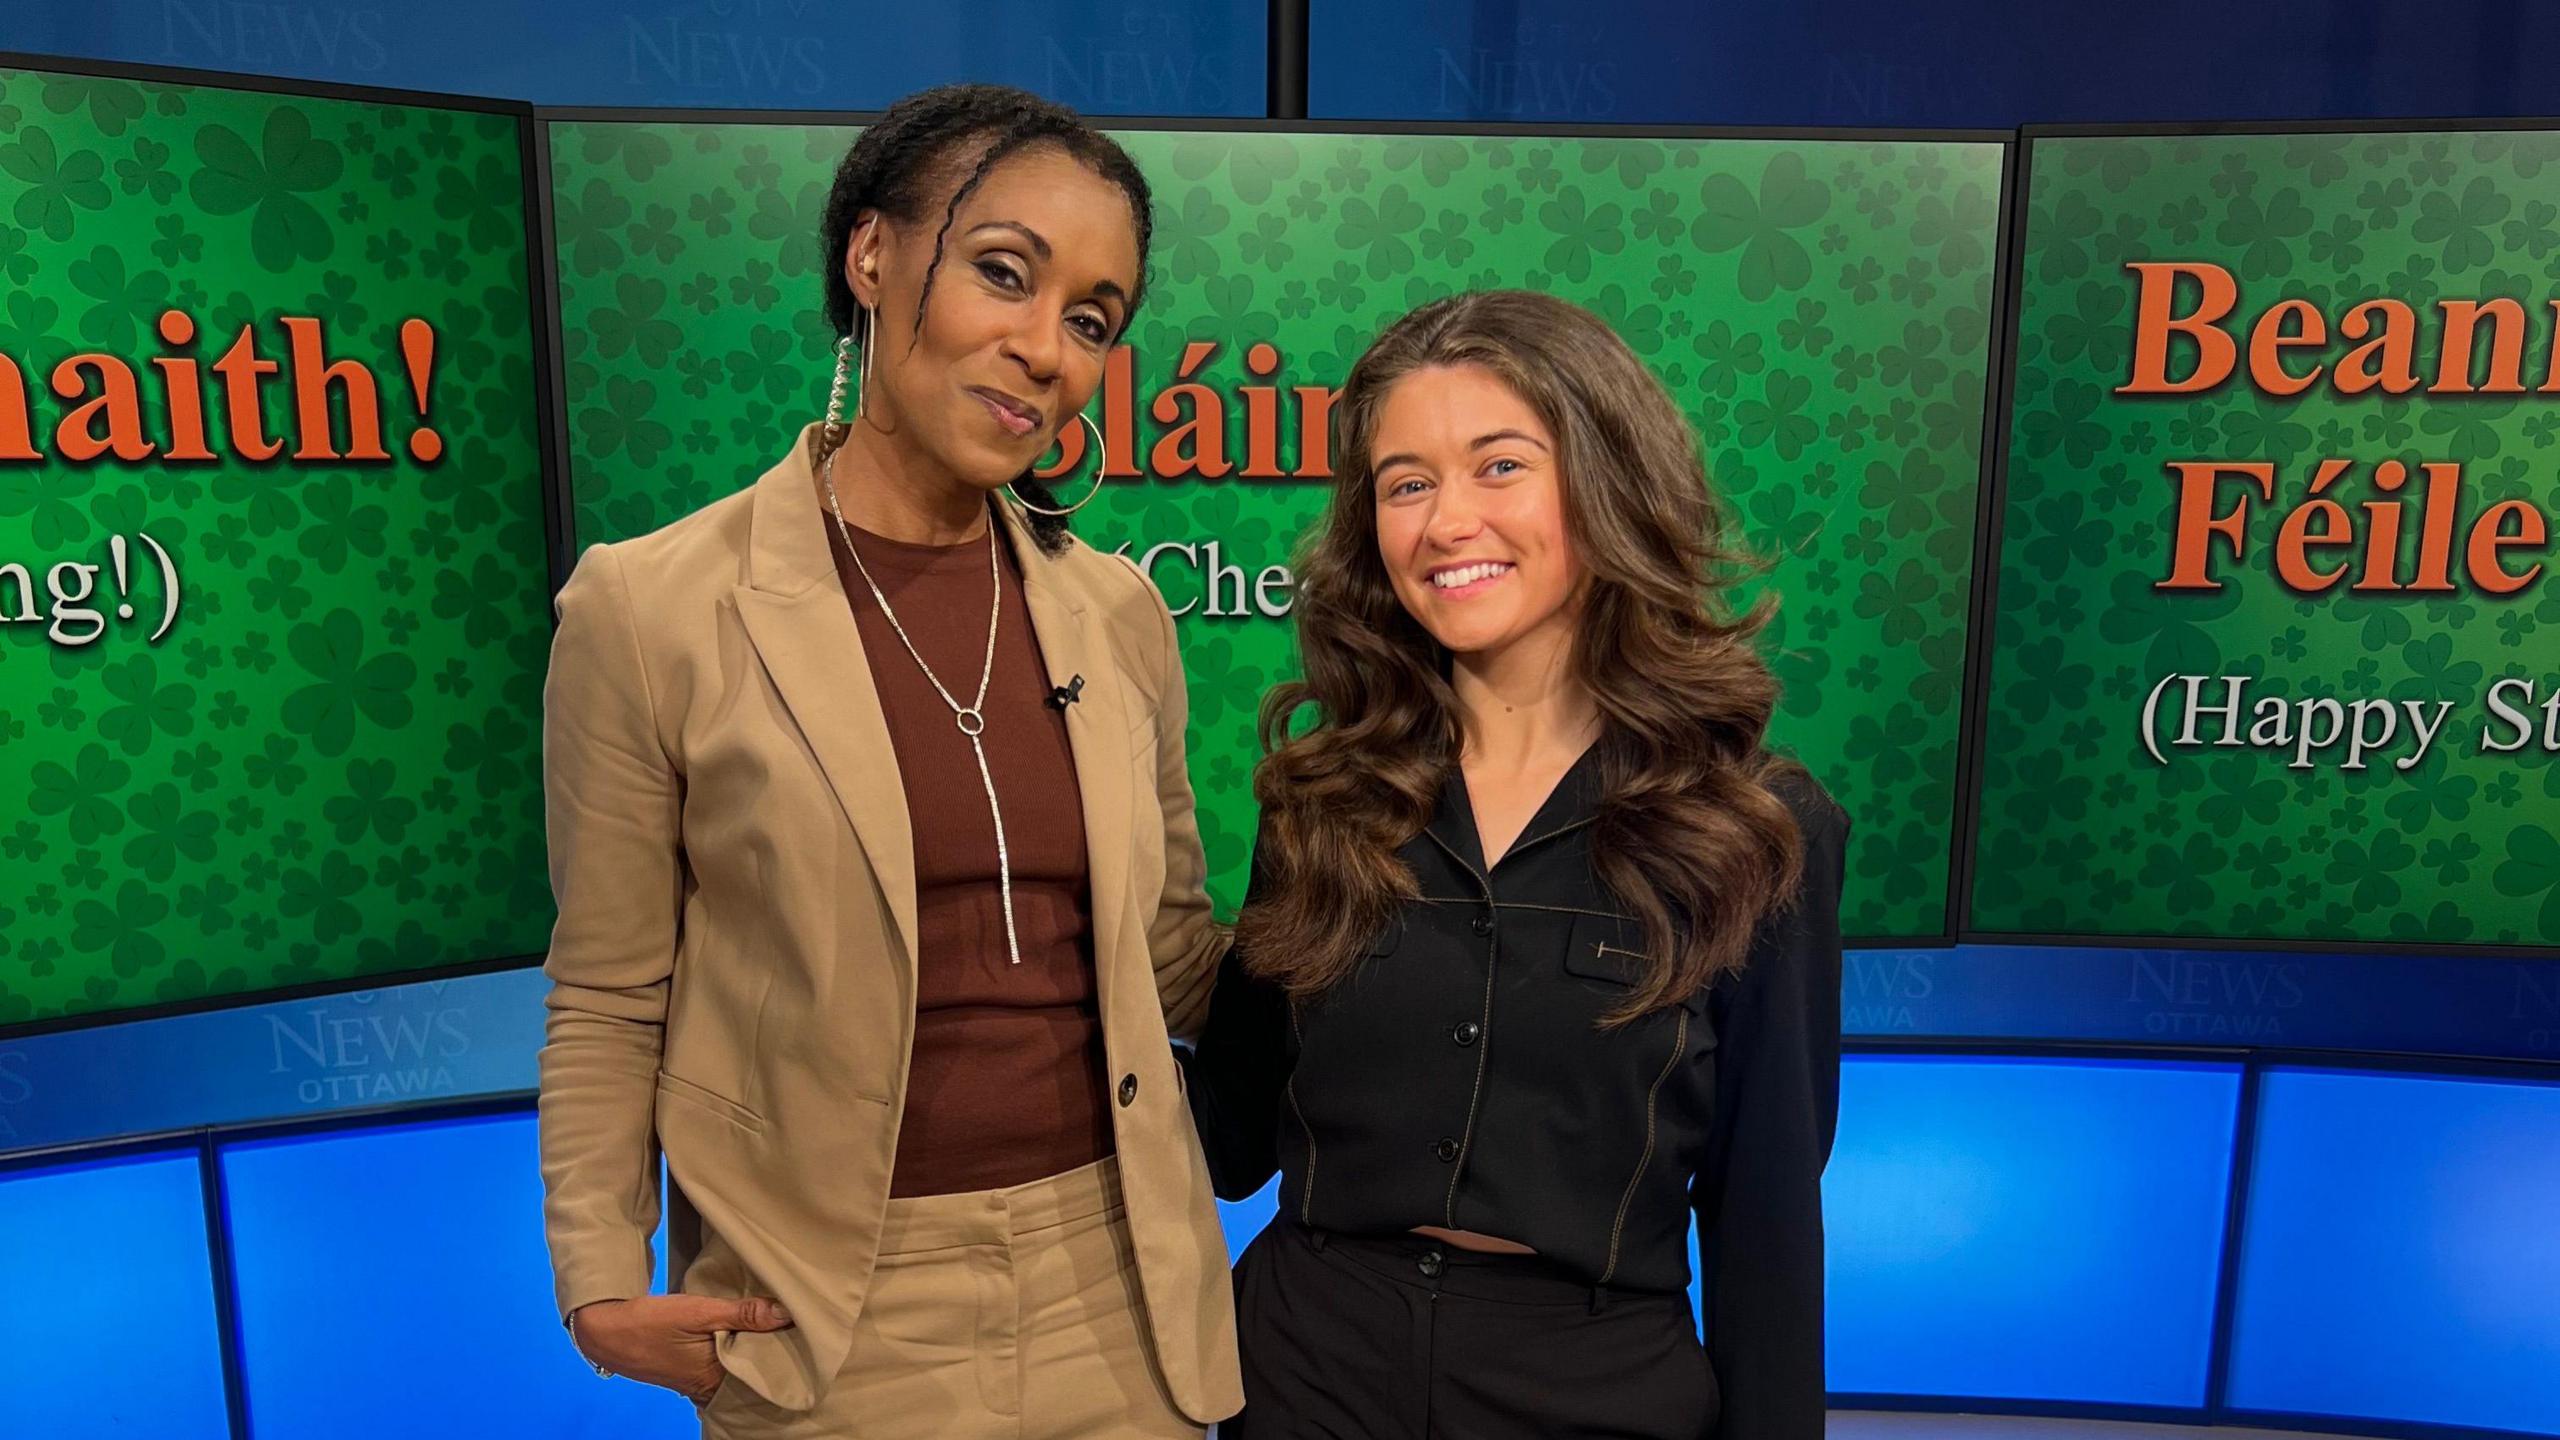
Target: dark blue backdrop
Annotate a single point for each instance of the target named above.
(1811, 62)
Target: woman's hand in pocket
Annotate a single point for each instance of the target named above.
(671, 1340)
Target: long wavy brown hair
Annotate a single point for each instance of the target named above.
(1690, 837)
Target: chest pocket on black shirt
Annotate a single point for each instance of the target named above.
(1607, 956)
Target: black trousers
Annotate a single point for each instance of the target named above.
(1401, 1339)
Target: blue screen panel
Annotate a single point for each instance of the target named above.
(393, 1283)
(1958, 62)
(439, 1039)
(2401, 1259)
(2027, 1229)
(1106, 57)
(110, 1328)
(1244, 1219)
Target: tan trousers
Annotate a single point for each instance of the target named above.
(994, 1315)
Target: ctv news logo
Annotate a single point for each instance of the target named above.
(1883, 986)
(259, 34)
(1153, 60)
(16, 1089)
(1535, 72)
(392, 1052)
(733, 47)
(2214, 997)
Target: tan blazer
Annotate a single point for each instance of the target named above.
(734, 971)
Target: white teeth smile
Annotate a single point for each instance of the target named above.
(1468, 574)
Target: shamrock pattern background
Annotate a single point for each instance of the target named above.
(1821, 309)
(329, 766)
(2082, 833)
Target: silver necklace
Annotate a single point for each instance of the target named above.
(970, 718)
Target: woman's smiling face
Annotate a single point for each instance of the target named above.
(1470, 511)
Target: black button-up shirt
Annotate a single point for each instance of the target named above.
(1459, 1078)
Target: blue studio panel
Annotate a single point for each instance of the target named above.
(1108, 57)
(1958, 62)
(393, 1283)
(1244, 1219)
(110, 1327)
(2401, 1260)
(2027, 1229)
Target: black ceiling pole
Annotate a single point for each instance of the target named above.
(1285, 69)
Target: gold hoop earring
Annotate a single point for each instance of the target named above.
(1099, 465)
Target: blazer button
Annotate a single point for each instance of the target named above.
(1447, 1150)
(1466, 1032)
(1482, 925)
(1128, 1090)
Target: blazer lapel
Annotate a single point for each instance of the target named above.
(1097, 731)
(795, 613)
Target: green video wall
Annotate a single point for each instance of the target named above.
(2264, 645)
(2274, 634)
(1821, 308)
(273, 573)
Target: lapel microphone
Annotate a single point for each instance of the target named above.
(1062, 696)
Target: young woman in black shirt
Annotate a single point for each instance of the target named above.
(1541, 954)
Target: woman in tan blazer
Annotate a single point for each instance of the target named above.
(880, 889)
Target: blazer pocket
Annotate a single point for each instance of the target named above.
(676, 1087)
(1609, 950)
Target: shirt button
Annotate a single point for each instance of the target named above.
(1447, 1150)
(1431, 1264)
(1482, 924)
(1466, 1032)
(1128, 1090)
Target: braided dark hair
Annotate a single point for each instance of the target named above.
(900, 159)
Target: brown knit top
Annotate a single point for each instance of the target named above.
(1007, 1080)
